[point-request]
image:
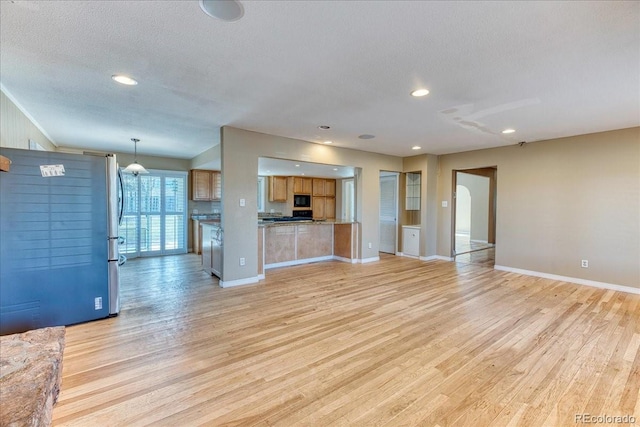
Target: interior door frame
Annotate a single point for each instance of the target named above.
(492, 173)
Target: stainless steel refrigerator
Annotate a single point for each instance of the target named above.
(59, 260)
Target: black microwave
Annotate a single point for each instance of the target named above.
(301, 201)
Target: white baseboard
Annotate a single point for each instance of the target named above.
(429, 258)
(408, 256)
(439, 257)
(478, 241)
(238, 282)
(298, 262)
(342, 259)
(367, 260)
(575, 280)
(261, 276)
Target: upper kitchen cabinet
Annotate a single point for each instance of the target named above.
(206, 185)
(318, 186)
(324, 187)
(330, 187)
(302, 185)
(277, 188)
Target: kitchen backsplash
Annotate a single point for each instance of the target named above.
(204, 207)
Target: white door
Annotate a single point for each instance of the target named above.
(155, 214)
(388, 212)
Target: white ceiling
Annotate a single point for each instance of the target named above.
(548, 69)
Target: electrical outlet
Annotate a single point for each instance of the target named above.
(369, 245)
(585, 263)
(242, 261)
(242, 203)
(97, 303)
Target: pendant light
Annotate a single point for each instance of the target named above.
(135, 168)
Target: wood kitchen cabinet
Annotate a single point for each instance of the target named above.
(330, 187)
(318, 207)
(277, 188)
(302, 185)
(206, 185)
(324, 187)
(318, 186)
(323, 207)
(330, 207)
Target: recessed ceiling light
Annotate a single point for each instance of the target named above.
(508, 131)
(324, 127)
(366, 136)
(416, 147)
(125, 80)
(335, 169)
(297, 166)
(328, 142)
(420, 92)
(225, 10)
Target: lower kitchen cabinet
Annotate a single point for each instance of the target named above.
(411, 240)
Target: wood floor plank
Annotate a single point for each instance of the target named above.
(399, 342)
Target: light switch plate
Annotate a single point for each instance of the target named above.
(242, 203)
(445, 203)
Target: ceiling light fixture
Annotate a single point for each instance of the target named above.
(508, 131)
(324, 127)
(366, 136)
(416, 147)
(335, 169)
(135, 168)
(125, 80)
(225, 10)
(420, 92)
(297, 166)
(328, 142)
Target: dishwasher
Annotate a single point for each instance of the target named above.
(216, 251)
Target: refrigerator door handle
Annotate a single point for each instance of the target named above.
(121, 182)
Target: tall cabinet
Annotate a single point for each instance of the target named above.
(323, 198)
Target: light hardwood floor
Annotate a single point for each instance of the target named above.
(399, 342)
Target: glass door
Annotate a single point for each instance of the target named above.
(155, 220)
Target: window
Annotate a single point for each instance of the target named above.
(155, 220)
(261, 193)
(348, 200)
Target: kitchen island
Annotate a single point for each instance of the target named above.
(283, 244)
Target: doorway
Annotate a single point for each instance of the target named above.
(474, 216)
(388, 212)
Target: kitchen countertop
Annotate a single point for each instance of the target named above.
(283, 223)
(204, 217)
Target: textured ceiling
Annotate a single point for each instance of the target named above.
(547, 69)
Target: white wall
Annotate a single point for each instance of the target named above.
(478, 187)
(559, 202)
(463, 210)
(240, 152)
